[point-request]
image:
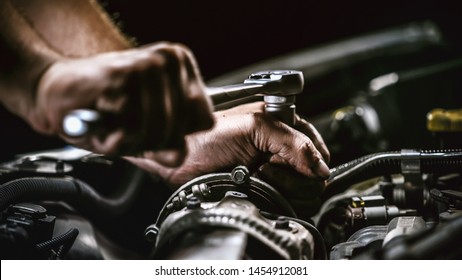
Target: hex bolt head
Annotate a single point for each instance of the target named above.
(240, 175)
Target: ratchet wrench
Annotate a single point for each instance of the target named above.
(278, 88)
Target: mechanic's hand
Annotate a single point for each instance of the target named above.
(154, 92)
(245, 135)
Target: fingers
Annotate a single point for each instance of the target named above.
(309, 130)
(245, 135)
(288, 146)
(182, 78)
(301, 125)
(155, 94)
(183, 107)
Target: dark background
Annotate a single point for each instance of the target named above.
(225, 35)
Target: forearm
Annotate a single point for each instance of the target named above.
(35, 34)
(24, 56)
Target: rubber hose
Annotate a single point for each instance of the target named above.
(73, 191)
(387, 163)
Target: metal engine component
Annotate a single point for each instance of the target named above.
(398, 215)
(230, 203)
(400, 226)
(374, 238)
(286, 239)
(371, 210)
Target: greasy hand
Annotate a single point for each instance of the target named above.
(154, 92)
(293, 160)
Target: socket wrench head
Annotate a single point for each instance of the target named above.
(278, 82)
(279, 90)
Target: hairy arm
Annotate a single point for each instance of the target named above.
(62, 55)
(36, 34)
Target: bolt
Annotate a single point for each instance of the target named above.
(240, 174)
(193, 203)
(282, 223)
(202, 191)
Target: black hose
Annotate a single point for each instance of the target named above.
(381, 164)
(64, 241)
(73, 191)
(38, 188)
(320, 252)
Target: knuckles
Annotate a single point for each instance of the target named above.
(169, 54)
(106, 82)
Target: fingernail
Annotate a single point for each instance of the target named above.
(323, 170)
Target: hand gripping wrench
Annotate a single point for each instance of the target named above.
(278, 87)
